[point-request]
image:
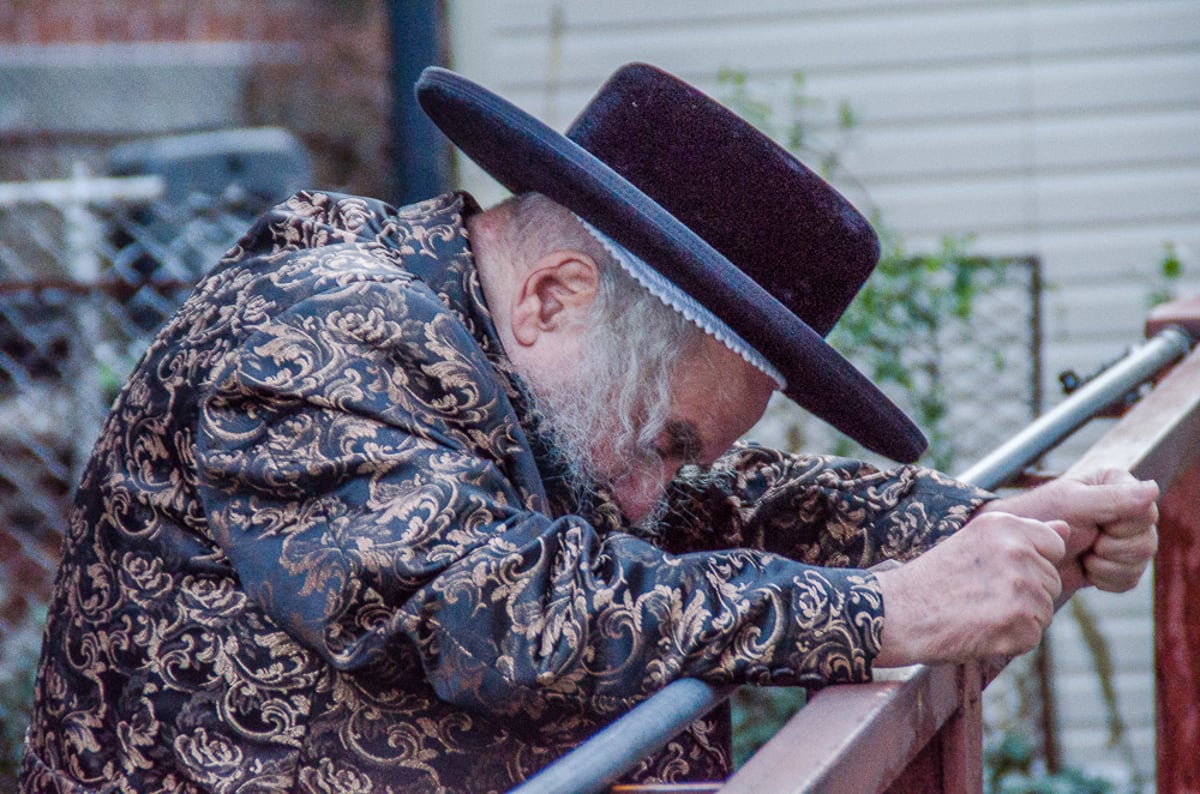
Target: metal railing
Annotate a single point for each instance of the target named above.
(1140, 365)
(844, 737)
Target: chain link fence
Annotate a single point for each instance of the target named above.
(970, 376)
(89, 269)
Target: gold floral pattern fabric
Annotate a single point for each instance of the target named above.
(319, 546)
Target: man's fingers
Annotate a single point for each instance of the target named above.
(1114, 503)
(1108, 500)
(1062, 528)
(1136, 523)
(987, 590)
(1113, 577)
(1130, 550)
(1119, 557)
(1107, 475)
(1050, 544)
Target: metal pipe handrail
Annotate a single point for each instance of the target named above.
(1008, 460)
(647, 727)
(617, 748)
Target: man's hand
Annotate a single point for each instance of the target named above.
(988, 590)
(1112, 517)
(991, 589)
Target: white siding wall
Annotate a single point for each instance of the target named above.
(1069, 129)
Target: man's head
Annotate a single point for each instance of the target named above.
(726, 226)
(628, 389)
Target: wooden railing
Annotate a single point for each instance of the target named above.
(920, 729)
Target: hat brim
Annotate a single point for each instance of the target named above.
(526, 155)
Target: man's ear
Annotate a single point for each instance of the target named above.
(557, 292)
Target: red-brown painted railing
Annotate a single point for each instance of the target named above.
(1177, 565)
(920, 729)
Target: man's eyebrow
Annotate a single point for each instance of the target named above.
(683, 441)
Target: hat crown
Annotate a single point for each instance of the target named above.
(734, 187)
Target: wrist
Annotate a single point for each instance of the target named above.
(906, 637)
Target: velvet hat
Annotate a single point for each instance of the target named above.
(737, 231)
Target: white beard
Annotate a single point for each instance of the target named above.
(594, 444)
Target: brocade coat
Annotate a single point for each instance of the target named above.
(319, 546)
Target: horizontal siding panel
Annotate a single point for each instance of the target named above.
(622, 13)
(1092, 200)
(1086, 746)
(1006, 204)
(982, 91)
(1113, 26)
(1160, 86)
(950, 207)
(1125, 264)
(1020, 242)
(1081, 702)
(1114, 320)
(873, 46)
(1122, 141)
(1071, 256)
(1132, 654)
(873, 43)
(1114, 312)
(1011, 90)
(1089, 750)
(909, 103)
(1117, 142)
(949, 150)
(1132, 662)
(1149, 81)
(891, 35)
(928, 97)
(1123, 622)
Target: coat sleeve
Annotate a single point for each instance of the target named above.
(356, 460)
(821, 510)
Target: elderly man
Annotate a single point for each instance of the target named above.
(417, 499)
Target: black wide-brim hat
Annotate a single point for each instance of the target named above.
(713, 205)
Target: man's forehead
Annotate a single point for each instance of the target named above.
(717, 397)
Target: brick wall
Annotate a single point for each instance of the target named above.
(57, 21)
(318, 68)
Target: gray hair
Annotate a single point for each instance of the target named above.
(634, 343)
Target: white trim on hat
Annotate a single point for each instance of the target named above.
(659, 286)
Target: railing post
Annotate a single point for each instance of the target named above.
(83, 236)
(962, 736)
(952, 761)
(1177, 605)
(1177, 635)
